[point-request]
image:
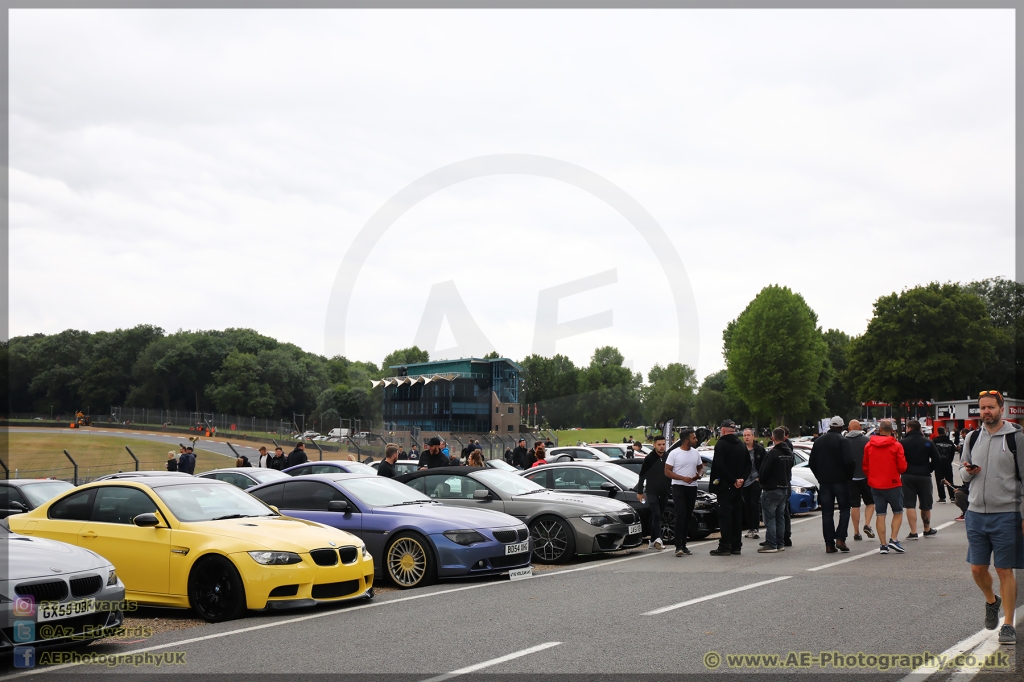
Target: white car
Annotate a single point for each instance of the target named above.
(570, 452)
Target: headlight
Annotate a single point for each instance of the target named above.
(275, 558)
(598, 519)
(112, 578)
(366, 554)
(800, 489)
(464, 537)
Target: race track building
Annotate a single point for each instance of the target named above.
(469, 395)
(960, 414)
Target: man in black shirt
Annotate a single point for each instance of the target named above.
(729, 469)
(520, 456)
(922, 457)
(297, 456)
(432, 457)
(387, 467)
(832, 463)
(277, 461)
(652, 473)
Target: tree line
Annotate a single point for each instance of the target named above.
(936, 341)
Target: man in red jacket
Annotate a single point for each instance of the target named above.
(883, 463)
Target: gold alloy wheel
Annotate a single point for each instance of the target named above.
(407, 562)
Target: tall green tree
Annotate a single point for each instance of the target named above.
(840, 398)
(775, 354)
(928, 342)
(669, 394)
(403, 356)
(609, 391)
(1004, 301)
(553, 385)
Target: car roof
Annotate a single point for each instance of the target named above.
(442, 470)
(340, 476)
(157, 481)
(143, 474)
(21, 482)
(233, 470)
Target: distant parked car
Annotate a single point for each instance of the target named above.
(25, 494)
(245, 477)
(139, 474)
(570, 453)
(330, 467)
(402, 466)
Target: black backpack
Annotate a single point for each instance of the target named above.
(1011, 443)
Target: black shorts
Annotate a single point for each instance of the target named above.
(860, 493)
(917, 492)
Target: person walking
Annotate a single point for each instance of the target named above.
(883, 463)
(946, 451)
(278, 461)
(751, 487)
(297, 456)
(860, 492)
(921, 457)
(636, 450)
(172, 463)
(684, 467)
(387, 467)
(992, 459)
(775, 473)
(653, 488)
(832, 464)
(521, 456)
(729, 469)
(262, 461)
(432, 457)
(187, 461)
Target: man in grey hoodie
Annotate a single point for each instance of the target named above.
(860, 491)
(995, 508)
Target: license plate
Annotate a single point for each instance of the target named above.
(51, 610)
(635, 529)
(517, 548)
(520, 573)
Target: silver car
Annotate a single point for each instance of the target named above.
(54, 595)
(245, 477)
(561, 524)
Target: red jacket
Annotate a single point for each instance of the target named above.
(884, 462)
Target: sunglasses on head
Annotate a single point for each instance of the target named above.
(985, 393)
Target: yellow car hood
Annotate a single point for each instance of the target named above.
(278, 533)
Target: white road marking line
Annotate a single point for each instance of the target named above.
(962, 647)
(493, 661)
(843, 561)
(947, 524)
(715, 596)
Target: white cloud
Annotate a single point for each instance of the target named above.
(205, 169)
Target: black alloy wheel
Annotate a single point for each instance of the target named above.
(553, 540)
(215, 590)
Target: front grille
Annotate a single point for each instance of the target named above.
(348, 554)
(505, 535)
(627, 517)
(523, 534)
(55, 590)
(324, 557)
(334, 590)
(285, 591)
(510, 560)
(77, 625)
(83, 587)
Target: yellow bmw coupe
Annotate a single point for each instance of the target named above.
(202, 543)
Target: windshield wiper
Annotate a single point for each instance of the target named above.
(539, 490)
(402, 504)
(234, 516)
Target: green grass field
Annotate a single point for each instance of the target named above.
(598, 435)
(40, 455)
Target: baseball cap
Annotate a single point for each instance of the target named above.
(836, 421)
(434, 441)
(727, 423)
(522, 440)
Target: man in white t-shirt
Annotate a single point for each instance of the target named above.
(684, 466)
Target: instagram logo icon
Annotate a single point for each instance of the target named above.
(24, 606)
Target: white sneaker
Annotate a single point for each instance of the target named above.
(658, 544)
(650, 544)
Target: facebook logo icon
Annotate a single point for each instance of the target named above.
(24, 657)
(24, 631)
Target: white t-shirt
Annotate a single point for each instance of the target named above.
(684, 463)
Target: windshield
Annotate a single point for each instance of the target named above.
(621, 475)
(501, 465)
(359, 468)
(207, 501)
(38, 493)
(381, 492)
(510, 484)
(267, 475)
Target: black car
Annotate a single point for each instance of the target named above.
(25, 494)
(617, 479)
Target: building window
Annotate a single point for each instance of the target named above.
(497, 410)
(476, 390)
(511, 410)
(509, 427)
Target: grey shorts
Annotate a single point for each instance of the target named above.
(917, 491)
(887, 497)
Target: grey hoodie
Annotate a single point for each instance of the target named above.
(995, 490)
(857, 442)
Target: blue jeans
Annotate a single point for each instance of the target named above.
(830, 493)
(773, 508)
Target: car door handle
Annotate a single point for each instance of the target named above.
(88, 535)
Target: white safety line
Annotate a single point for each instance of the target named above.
(493, 661)
(947, 524)
(715, 596)
(962, 647)
(843, 561)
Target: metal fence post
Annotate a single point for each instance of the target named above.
(7, 472)
(133, 457)
(74, 463)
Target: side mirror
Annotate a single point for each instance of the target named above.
(337, 506)
(17, 506)
(146, 520)
(481, 494)
(611, 488)
(274, 508)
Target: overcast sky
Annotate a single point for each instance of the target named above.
(210, 169)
